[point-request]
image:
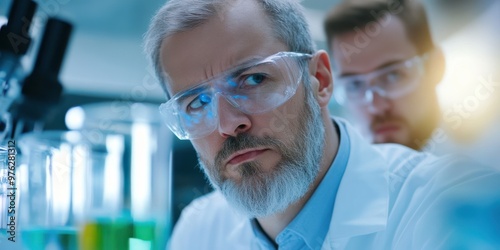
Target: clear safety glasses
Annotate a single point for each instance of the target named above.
(391, 82)
(253, 88)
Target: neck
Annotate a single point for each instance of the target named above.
(272, 225)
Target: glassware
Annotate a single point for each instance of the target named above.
(128, 192)
(4, 184)
(51, 185)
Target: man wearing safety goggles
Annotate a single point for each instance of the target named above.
(247, 88)
(386, 70)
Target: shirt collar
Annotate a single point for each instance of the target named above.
(311, 230)
(311, 223)
(362, 201)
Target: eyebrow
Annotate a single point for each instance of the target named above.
(387, 64)
(188, 93)
(233, 71)
(240, 67)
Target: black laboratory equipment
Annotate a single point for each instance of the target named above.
(42, 89)
(15, 41)
(14, 44)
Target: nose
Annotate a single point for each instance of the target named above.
(377, 104)
(232, 121)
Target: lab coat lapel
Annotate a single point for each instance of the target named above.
(362, 202)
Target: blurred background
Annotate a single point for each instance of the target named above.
(104, 62)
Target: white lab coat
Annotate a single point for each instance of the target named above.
(387, 199)
(484, 148)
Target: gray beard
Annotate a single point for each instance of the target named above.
(259, 193)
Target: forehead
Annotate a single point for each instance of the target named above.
(371, 47)
(233, 36)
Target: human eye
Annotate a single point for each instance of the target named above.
(394, 76)
(198, 103)
(256, 76)
(354, 85)
(253, 80)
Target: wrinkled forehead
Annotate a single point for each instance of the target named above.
(243, 33)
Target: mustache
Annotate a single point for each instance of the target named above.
(244, 141)
(388, 118)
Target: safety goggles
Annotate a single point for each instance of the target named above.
(254, 87)
(391, 82)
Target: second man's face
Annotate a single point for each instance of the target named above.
(403, 120)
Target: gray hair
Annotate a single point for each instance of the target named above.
(176, 16)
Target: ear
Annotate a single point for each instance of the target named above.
(435, 66)
(321, 73)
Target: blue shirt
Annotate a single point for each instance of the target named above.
(305, 231)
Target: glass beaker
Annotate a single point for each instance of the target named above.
(129, 193)
(50, 181)
(5, 188)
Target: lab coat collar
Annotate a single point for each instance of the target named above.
(362, 202)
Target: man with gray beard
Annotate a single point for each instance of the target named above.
(291, 178)
(247, 88)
